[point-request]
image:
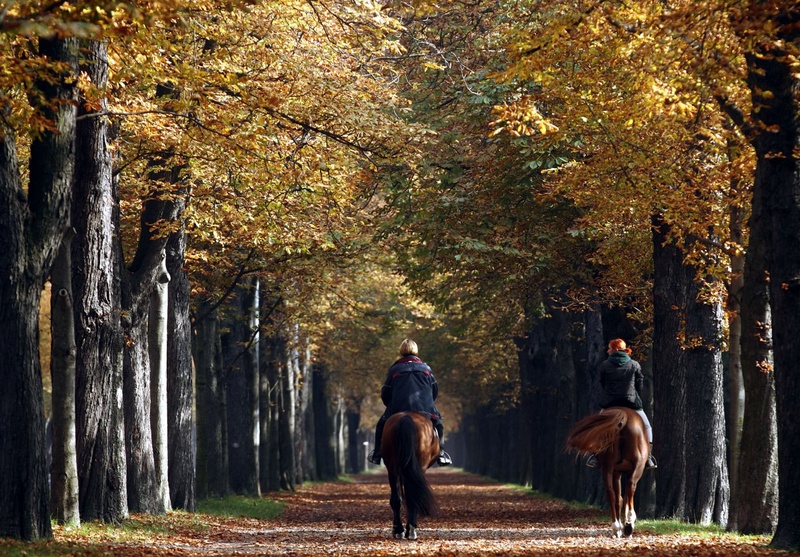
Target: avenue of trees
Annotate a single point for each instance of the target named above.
(228, 216)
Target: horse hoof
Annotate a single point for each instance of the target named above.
(628, 531)
(398, 536)
(411, 533)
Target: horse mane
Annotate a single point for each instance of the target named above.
(597, 432)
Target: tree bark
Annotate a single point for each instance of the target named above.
(64, 472)
(180, 383)
(692, 473)
(671, 279)
(157, 342)
(97, 303)
(774, 85)
(145, 493)
(286, 425)
(324, 434)
(212, 440)
(707, 486)
(756, 505)
(31, 229)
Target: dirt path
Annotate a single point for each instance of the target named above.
(477, 517)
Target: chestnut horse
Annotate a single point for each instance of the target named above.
(617, 437)
(410, 445)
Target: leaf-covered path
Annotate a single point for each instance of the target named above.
(477, 517)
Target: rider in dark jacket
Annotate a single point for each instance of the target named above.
(410, 386)
(621, 379)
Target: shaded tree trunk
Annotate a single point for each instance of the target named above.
(31, 228)
(692, 473)
(308, 460)
(212, 440)
(157, 342)
(671, 384)
(756, 504)
(324, 432)
(286, 425)
(777, 179)
(97, 302)
(64, 472)
(707, 487)
(180, 384)
(145, 493)
(354, 462)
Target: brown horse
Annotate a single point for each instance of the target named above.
(618, 438)
(410, 445)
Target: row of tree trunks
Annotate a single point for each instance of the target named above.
(265, 416)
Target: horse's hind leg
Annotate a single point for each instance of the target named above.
(629, 512)
(396, 503)
(411, 527)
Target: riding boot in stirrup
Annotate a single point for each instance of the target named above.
(651, 460)
(444, 458)
(374, 457)
(591, 461)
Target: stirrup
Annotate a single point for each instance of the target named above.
(651, 463)
(444, 458)
(374, 457)
(591, 461)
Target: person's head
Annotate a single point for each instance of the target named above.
(408, 348)
(616, 345)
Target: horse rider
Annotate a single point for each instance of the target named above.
(621, 379)
(410, 386)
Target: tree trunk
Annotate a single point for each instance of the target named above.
(180, 384)
(212, 440)
(97, 303)
(707, 487)
(145, 492)
(308, 463)
(274, 371)
(736, 393)
(756, 504)
(157, 342)
(671, 384)
(324, 433)
(64, 472)
(252, 308)
(354, 462)
(286, 426)
(32, 225)
(692, 473)
(778, 180)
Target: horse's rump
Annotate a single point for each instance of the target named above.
(597, 432)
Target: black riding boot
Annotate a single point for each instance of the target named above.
(651, 460)
(375, 456)
(444, 458)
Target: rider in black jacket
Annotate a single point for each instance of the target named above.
(410, 386)
(621, 379)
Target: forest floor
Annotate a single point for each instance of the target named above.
(477, 517)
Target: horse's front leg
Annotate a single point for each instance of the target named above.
(396, 503)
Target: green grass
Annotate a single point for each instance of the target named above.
(239, 506)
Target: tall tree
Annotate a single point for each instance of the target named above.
(64, 499)
(98, 300)
(181, 429)
(31, 227)
(770, 32)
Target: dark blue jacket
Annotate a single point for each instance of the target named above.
(621, 379)
(410, 385)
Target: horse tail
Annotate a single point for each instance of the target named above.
(597, 432)
(416, 489)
